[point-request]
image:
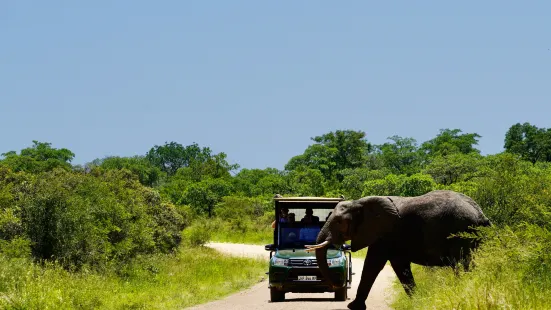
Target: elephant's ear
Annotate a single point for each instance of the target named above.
(377, 217)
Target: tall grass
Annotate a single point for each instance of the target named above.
(240, 230)
(512, 271)
(164, 281)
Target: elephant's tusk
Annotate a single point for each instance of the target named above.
(311, 248)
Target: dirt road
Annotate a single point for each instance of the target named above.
(258, 297)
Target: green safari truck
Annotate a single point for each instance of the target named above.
(298, 221)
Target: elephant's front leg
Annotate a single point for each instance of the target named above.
(374, 262)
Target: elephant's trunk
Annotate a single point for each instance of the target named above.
(321, 258)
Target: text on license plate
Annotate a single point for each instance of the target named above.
(307, 278)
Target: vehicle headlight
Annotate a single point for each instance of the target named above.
(281, 262)
(336, 261)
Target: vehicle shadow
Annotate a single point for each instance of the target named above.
(291, 300)
(310, 299)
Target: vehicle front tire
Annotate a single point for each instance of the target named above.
(341, 294)
(276, 295)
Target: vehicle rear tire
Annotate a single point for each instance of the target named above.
(341, 294)
(276, 295)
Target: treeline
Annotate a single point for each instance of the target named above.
(116, 208)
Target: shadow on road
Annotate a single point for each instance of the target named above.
(308, 299)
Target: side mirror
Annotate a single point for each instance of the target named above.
(346, 247)
(271, 248)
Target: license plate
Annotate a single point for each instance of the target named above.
(307, 278)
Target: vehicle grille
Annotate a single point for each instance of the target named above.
(303, 263)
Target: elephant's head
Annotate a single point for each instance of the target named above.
(361, 221)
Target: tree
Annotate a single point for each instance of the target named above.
(454, 167)
(353, 180)
(402, 156)
(333, 152)
(214, 166)
(390, 185)
(205, 195)
(317, 156)
(528, 141)
(173, 156)
(39, 158)
(450, 141)
(306, 182)
(148, 174)
(352, 147)
(260, 182)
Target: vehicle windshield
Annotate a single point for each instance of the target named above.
(300, 226)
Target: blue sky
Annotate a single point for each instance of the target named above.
(257, 79)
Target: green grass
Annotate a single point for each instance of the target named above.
(240, 231)
(192, 276)
(513, 271)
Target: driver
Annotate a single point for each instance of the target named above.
(309, 217)
(311, 229)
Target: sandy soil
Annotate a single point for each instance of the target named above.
(258, 296)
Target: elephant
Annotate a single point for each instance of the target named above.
(402, 230)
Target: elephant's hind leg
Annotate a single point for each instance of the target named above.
(403, 272)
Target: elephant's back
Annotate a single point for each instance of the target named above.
(443, 207)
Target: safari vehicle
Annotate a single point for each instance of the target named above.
(291, 267)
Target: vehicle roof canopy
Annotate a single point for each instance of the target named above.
(316, 200)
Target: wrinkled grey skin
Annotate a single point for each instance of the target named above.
(402, 230)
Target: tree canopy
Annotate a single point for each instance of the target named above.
(40, 157)
(530, 142)
(450, 141)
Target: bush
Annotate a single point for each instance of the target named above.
(400, 185)
(416, 185)
(86, 219)
(197, 234)
(16, 248)
(511, 191)
(390, 186)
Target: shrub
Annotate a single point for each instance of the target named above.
(400, 185)
(86, 219)
(197, 234)
(390, 186)
(16, 248)
(416, 185)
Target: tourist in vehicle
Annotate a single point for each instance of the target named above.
(291, 219)
(291, 231)
(284, 212)
(309, 217)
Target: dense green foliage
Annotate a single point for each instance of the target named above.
(86, 219)
(109, 213)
